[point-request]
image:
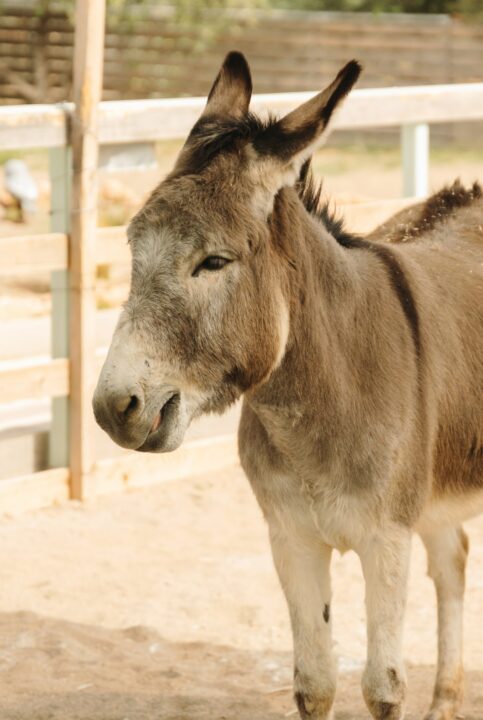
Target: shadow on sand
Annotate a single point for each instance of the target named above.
(52, 669)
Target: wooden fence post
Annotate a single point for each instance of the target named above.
(88, 70)
(415, 159)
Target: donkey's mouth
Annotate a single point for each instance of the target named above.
(164, 431)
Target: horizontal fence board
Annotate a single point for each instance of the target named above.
(32, 126)
(473, 29)
(21, 21)
(165, 77)
(14, 41)
(33, 252)
(34, 491)
(311, 40)
(140, 470)
(268, 63)
(18, 64)
(20, 254)
(33, 379)
(395, 106)
(131, 470)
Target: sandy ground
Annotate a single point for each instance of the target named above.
(162, 604)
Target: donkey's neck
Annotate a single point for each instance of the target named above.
(325, 291)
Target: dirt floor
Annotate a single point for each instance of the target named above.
(162, 604)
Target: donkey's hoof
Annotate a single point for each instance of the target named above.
(314, 708)
(447, 700)
(384, 692)
(444, 711)
(387, 711)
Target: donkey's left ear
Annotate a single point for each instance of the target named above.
(294, 138)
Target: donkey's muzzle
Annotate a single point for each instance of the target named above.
(138, 422)
(119, 411)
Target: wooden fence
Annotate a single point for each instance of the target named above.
(152, 53)
(72, 254)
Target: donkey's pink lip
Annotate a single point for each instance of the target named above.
(161, 415)
(164, 433)
(156, 423)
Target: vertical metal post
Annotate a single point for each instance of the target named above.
(415, 159)
(87, 86)
(60, 184)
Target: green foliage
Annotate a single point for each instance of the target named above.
(185, 8)
(206, 16)
(451, 7)
(193, 11)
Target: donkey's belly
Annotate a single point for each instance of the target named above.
(450, 510)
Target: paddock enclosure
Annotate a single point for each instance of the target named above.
(163, 603)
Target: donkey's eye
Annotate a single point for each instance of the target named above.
(211, 263)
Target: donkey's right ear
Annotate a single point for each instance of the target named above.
(293, 139)
(232, 89)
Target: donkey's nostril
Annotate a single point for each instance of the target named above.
(133, 403)
(126, 405)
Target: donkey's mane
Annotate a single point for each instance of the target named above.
(440, 206)
(435, 210)
(310, 192)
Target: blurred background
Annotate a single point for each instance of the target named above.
(156, 50)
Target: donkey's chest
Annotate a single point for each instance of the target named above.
(309, 487)
(315, 508)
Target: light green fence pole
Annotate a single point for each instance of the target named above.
(60, 180)
(415, 159)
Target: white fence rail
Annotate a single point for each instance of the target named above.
(45, 126)
(146, 121)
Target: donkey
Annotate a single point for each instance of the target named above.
(360, 363)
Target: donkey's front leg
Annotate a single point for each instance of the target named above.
(303, 567)
(385, 563)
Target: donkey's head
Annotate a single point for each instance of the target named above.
(208, 313)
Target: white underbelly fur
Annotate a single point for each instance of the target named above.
(450, 510)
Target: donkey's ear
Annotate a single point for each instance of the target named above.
(294, 138)
(232, 89)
